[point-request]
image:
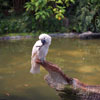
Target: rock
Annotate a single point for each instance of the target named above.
(89, 35)
(64, 35)
(89, 32)
(15, 37)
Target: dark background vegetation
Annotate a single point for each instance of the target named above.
(38, 16)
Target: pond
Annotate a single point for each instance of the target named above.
(77, 58)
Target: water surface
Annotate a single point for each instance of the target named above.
(77, 58)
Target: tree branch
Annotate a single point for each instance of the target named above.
(73, 88)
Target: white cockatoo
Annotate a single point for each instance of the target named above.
(39, 51)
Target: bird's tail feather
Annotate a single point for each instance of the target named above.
(35, 68)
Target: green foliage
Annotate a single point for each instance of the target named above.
(43, 9)
(27, 23)
(83, 15)
(87, 16)
(39, 8)
(48, 25)
(50, 16)
(12, 25)
(4, 3)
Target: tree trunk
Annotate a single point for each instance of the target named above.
(19, 5)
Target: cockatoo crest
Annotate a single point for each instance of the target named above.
(45, 37)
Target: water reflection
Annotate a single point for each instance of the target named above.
(77, 58)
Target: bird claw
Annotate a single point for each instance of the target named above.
(42, 61)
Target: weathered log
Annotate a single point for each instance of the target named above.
(69, 88)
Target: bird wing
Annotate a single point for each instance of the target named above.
(35, 49)
(35, 68)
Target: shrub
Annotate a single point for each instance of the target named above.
(27, 23)
(11, 25)
(85, 16)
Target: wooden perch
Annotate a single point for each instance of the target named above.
(69, 88)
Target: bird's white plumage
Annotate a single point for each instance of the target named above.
(39, 51)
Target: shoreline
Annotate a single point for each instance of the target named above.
(86, 35)
(56, 35)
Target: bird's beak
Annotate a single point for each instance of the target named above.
(43, 42)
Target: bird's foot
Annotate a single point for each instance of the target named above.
(42, 60)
